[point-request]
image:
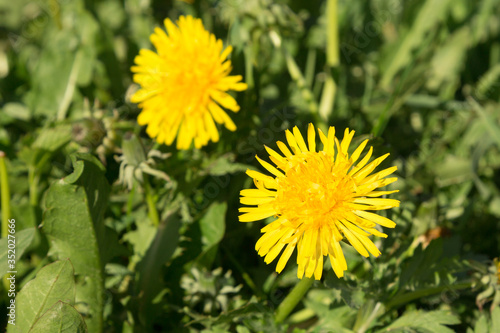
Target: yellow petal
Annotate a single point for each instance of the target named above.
(292, 143)
(358, 151)
(299, 139)
(362, 163)
(269, 237)
(270, 168)
(284, 149)
(359, 175)
(354, 241)
(311, 138)
(260, 176)
(311, 267)
(255, 201)
(285, 256)
(256, 193)
(274, 252)
(380, 202)
(255, 216)
(319, 269)
(383, 221)
(271, 241)
(346, 141)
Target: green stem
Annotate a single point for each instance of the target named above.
(33, 179)
(384, 117)
(332, 58)
(327, 97)
(249, 68)
(295, 73)
(310, 70)
(332, 33)
(301, 316)
(70, 87)
(293, 298)
(366, 322)
(150, 200)
(130, 200)
(5, 193)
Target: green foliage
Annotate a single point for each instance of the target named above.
(115, 233)
(431, 321)
(61, 318)
(485, 324)
(54, 283)
(81, 198)
(212, 227)
(160, 250)
(23, 240)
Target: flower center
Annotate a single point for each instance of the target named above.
(315, 190)
(188, 78)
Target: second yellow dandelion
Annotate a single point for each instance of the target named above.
(184, 85)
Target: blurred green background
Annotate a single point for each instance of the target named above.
(421, 79)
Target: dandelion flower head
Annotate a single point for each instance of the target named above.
(184, 85)
(319, 197)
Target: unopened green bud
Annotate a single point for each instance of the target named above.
(88, 132)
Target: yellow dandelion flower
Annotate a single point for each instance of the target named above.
(319, 197)
(184, 85)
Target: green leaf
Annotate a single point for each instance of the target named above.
(486, 325)
(432, 321)
(422, 265)
(367, 315)
(430, 14)
(158, 254)
(23, 240)
(252, 308)
(487, 85)
(16, 111)
(337, 319)
(481, 325)
(61, 318)
(51, 139)
(55, 66)
(453, 170)
(242, 329)
(485, 15)
(223, 166)
(495, 319)
(489, 122)
(212, 227)
(448, 61)
(66, 61)
(88, 32)
(54, 282)
(140, 239)
(73, 221)
(355, 298)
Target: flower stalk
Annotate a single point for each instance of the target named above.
(332, 59)
(293, 298)
(296, 74)
(150, 201)
(5, 193)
